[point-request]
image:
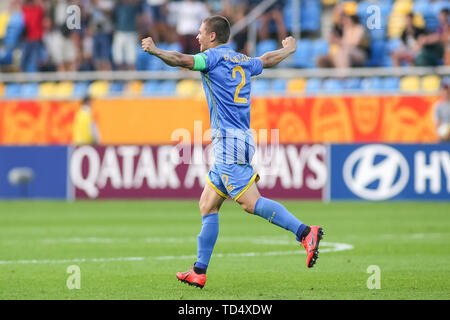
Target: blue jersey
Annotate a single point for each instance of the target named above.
(226, 81)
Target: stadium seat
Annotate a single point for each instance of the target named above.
(80, 89)
(2, 89)
(310, 15)
(99, 89)
(133, 88)
(12, 91)
(352, 84)
(265, 46)
(167, 87)
(350, 7)
(64, 89)
(402, 7)
(333, 85)
(150, 88)
(319, 47)
(371, 84)
(313, 85)
(279, 86)
(29, 90)
(260, 86)
(47, 90)
(377, 53)
(296, 85)
(430, 83)
(188, 87)
(390, 84)
(303, 56)
(116, 88)
(409, 84)
(4, 20)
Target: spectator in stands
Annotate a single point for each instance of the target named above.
(444, 31)
(409, 48)
(352, 47)
(33, 14)
(102, 28)
(157, 10)
(61, 41)
(85, 130)
(125, 17)
(273, 13)
(442, 113)
(188, 15)
(432, 45)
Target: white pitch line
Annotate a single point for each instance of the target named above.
(334, 247)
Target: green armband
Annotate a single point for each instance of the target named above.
(199, 62)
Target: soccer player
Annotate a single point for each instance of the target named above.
(226, 80)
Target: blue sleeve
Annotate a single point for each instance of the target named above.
(256, 66)
(212, 58)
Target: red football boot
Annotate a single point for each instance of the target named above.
(192, 278)
(311, 244)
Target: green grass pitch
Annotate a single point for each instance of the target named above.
(132, 250)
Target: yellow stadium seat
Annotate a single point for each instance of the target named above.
(134, 88)
(47, 90)
(64, 89)
(4, 20)
(419, 21)
(410, 84)
(402, 7)
(296, 85)
(396, 25)
(188, 87)
(2, 89)
(350, 7)
(430, 83)
(329, 2)
(99, 89)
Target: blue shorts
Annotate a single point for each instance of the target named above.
(231, 179)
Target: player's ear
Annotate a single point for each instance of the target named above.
(212, 36)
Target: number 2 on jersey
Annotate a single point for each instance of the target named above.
(238, 99)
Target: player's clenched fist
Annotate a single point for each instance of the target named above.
(289, 43)
(148, 45)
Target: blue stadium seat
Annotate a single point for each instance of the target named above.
(265, 46)
(279, 85)
(142, 59)
(260, 86)
(371, 84)
(377, 53)
(352, 84)
(116, 88)
(320, 47)
(303, 57)
(167, 87)
(30, 90)
(390, 84)
(313, 85)
(12, 91)
(150, 88)
(333, 85)
(310, 15)
(80, 89)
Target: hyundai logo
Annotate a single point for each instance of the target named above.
(376, 172)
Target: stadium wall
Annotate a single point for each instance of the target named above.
(365, 172)
(314, 119)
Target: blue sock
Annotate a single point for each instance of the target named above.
(275, 213)
(206, 240)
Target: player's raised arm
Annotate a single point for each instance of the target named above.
(172, 58)
(272, 58)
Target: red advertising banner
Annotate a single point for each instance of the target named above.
(130, 171)
(334, 119)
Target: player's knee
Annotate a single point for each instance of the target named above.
(248, 207)
(205, 208)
